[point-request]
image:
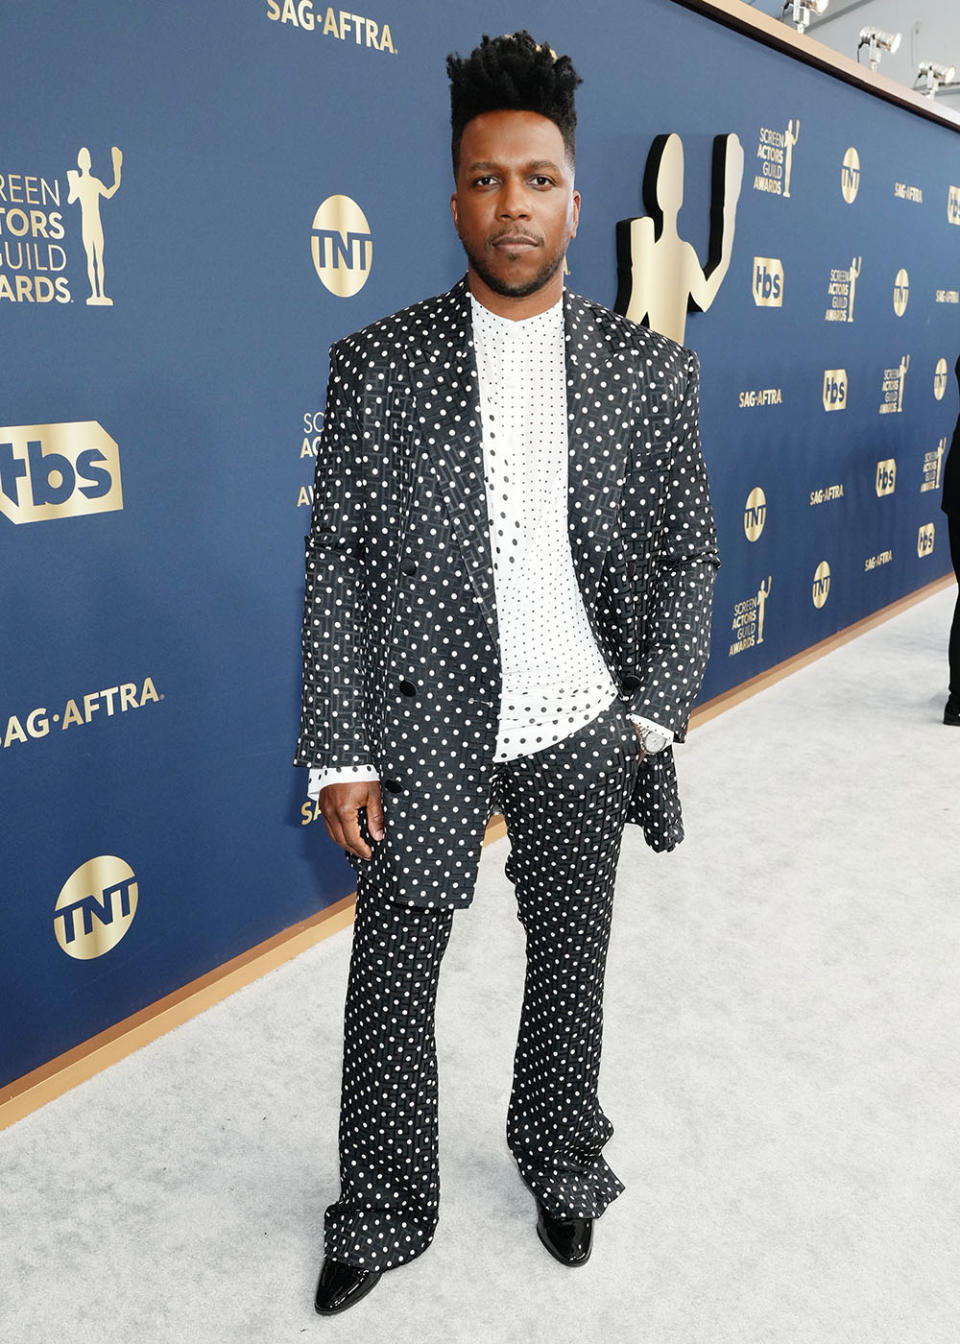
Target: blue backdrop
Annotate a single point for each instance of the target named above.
(150, 657)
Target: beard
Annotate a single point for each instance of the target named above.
(509, 291)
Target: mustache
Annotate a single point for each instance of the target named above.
(514, 233)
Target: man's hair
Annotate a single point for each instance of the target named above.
(514, 73)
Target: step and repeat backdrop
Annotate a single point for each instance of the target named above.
(194, 202)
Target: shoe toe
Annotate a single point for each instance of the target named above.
(568, 1239)
(340, 1285)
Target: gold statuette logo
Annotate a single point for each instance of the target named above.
(850, 175)
(341, 246)
(95, 907)
(768, 282)
(925, 540)
(58, 471)
(886, 479)
(88, 190)
(901, 292)
(940, 379)
(755, 514)
(834, 389)
(821, 584)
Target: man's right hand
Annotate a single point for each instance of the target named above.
(339, 805)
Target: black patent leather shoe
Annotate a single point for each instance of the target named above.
(341, 1285)
(951, 714)
(568, 1239)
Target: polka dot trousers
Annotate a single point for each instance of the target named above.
(565, 808)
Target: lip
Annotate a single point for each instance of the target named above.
(514, 241)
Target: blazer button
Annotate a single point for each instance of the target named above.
(408, 688)
(408, 566)
(631, 682)
(393, 786)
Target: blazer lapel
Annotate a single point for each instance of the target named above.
(447, 395)
(600, 414)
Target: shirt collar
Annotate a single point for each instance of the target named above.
(540, 327)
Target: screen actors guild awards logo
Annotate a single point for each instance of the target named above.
(821, 584)
(932, 467)
(850, 175)
(88, 190)
(901, 292)
(893, 383)
(775, 152)
(841, 291)
(660, 275)
(95, 907)
(341, 246)
(754, 514)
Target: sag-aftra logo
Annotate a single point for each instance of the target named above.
(58, 471)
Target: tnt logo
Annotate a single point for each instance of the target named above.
(834, 389)
(925, 539)
(768, 282)
(58, 471)
(850, 175)
(901, 292)
(821, 584)
(886, 476)
(953, 205)
(95, 907)
(940, 379)
(341, 246)
(755, 513)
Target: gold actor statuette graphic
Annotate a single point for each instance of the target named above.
(95, 907)
(790, 137)
(850, 175)
(341, 246)
(87, 189)
(660, 276)
(821, 584)
(763, 592)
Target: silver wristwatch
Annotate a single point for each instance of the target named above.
(651, 739)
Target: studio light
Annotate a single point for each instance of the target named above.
(877, 40)
(800, 12)
(931, 74)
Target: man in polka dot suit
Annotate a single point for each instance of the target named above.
(508, 583)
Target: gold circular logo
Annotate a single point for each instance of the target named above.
(850, 175)
(901, 292)
(821, 584)
(341, 246)
(940, 379)
(754, 513)
(95, 907)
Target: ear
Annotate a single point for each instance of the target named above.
(455, 212)
(576, 213)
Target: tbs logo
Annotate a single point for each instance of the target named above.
(835, 389)
(58, 471)
(886, 481)
(768, 282)
(926, 538)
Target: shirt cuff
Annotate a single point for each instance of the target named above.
(641, 722)
(320, 776)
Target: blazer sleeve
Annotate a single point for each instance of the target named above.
(678, 593)
(332, 641)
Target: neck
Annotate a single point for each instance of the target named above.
(505, 305)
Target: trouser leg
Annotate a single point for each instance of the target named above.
(954, 654)
(565, 809)
(389, 1172)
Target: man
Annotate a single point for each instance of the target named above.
(509, 573)
(950, 504)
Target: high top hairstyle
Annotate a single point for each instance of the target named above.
(513, 73)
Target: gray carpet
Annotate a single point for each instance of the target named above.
(782, 1065)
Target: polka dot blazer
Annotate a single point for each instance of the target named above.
(400, 645)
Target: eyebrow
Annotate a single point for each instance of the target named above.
(485, 165)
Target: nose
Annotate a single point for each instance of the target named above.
(514, 200)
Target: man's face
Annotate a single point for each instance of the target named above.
(515, 208)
